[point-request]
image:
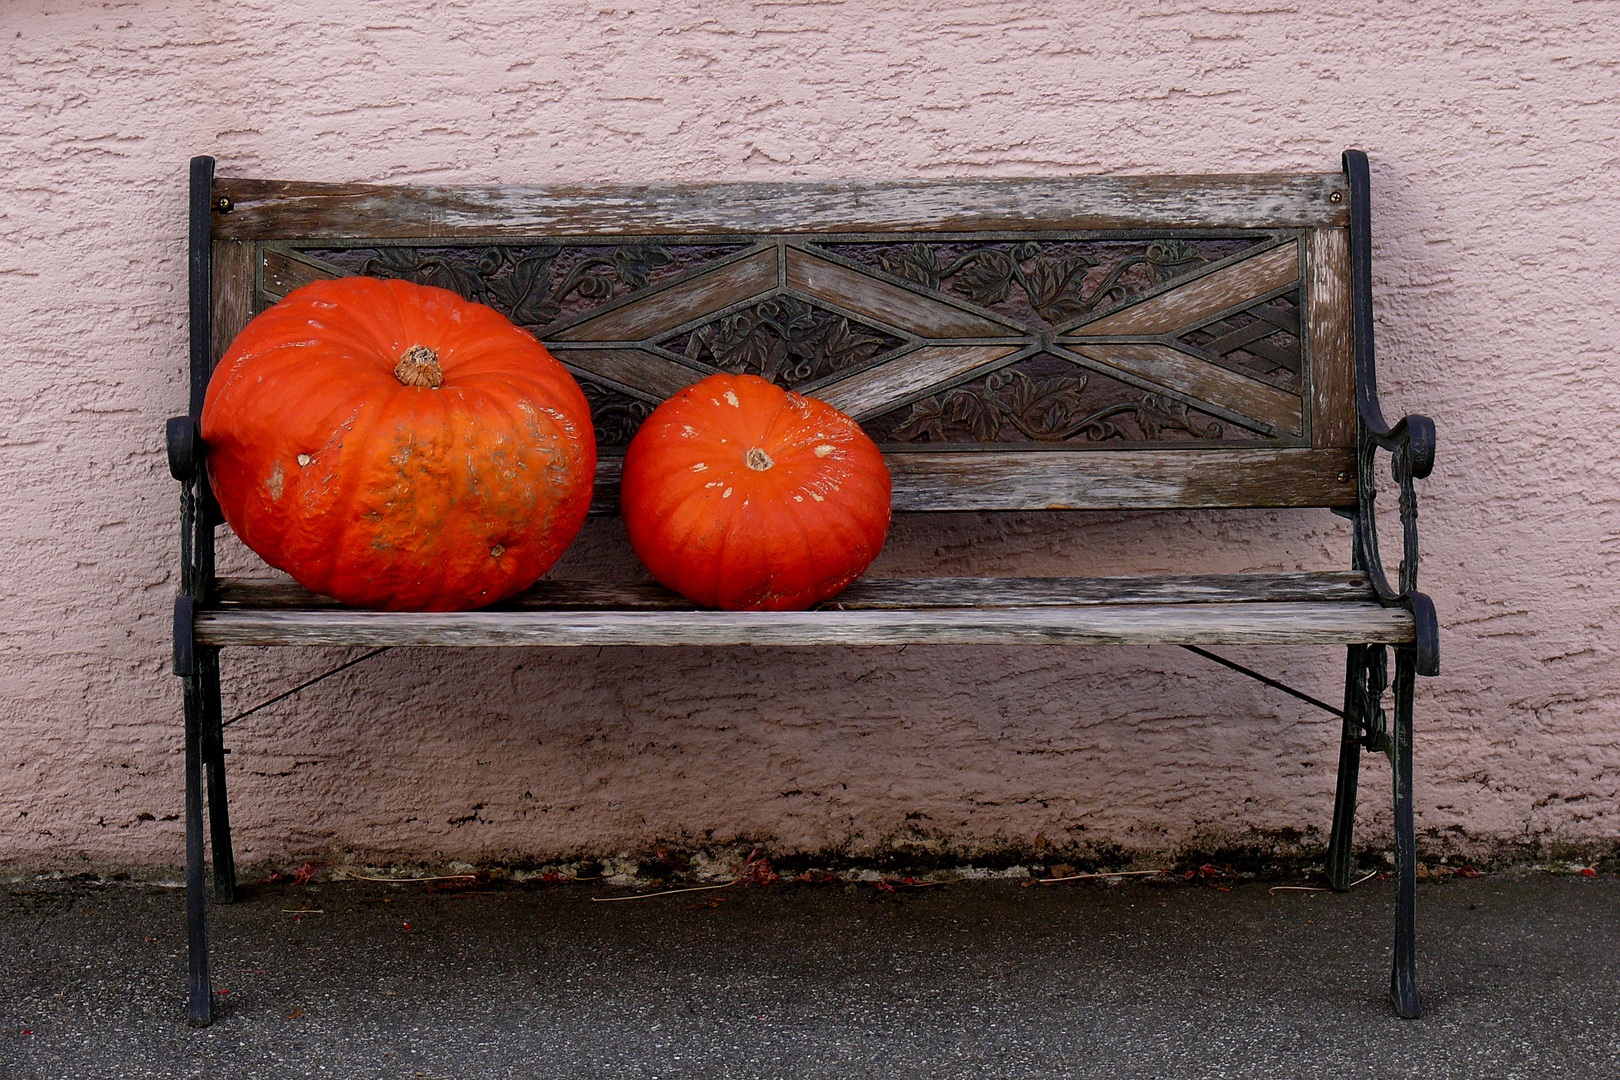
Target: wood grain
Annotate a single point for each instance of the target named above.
(877, 389)
(975, 479)
(1120, 480)
(1200, 300)
(278, 209)
(1329, 350)
(1163, 366)
(1139, 624)
(232, 291)
(891, 305)
(659, 312)
(284, 272)
(887, 593)
(1000, 592)
(648, 375)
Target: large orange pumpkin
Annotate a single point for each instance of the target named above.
(738, 494)
(395, 446)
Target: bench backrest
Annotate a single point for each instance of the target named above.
(1097, 343)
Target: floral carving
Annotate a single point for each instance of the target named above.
(519, 280)
(1055, 285)
(785, 340)
(615, 416)
(1043, 410)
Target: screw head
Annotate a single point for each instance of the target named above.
(223, 204)
(1344, 477)
(1336, 197)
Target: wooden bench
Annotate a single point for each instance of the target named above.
(1013, 345)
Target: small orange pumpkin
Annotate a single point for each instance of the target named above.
(395, 446)
(738, 494)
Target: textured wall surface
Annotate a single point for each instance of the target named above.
(1491, 129)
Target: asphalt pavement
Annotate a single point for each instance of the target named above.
(1138, 978)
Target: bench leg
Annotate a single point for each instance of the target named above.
(213, 750)
(200, 997)
(1340, 860)
(1366, 676)
(1403, 990)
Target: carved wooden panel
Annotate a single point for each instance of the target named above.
(1247, 401)
(1035, 283)
(1049, 399)
(784, 339)
(1046, 339)
(953, 342)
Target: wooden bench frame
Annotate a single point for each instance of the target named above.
(1303, 416)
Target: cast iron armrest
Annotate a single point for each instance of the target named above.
(181, 441)
(1411, 442)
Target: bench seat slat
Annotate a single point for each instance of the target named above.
(880, 593)
(1132, 624)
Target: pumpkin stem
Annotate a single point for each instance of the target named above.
(758, 460)
(419, 366)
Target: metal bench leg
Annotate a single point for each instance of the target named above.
(1366, 676)
(1340, 858)
(1403, 990)
(213, 749)
(200, 997)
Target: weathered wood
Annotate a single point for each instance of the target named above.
(284, 272)
(1121, 480)
(1139, 624)
(1249, 337)
(275, 209)
(1327, 340)
(1004, 592)
(973, 479)
(877, 389)
(664, 310)
(881, 593)
(232, 292)
(1175, 370)
(654, 377)
(272, 594)
(1181, 309)
(892, 305)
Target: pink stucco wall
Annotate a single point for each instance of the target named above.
(1492, 131)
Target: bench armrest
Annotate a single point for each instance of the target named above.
(199, 512)
(1410, 442)
(182, 443)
